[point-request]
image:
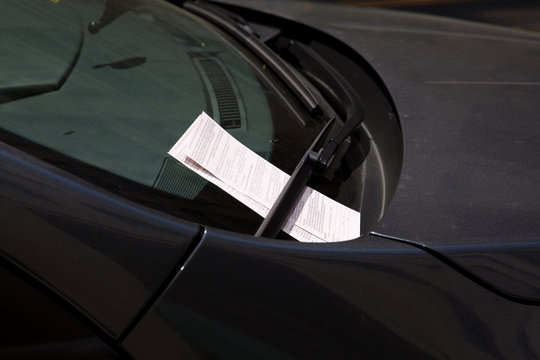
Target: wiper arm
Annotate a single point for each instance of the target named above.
(322, 153)
(292, 190)
(316, 161)
(235, 26)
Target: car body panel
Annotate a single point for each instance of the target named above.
(241, 299)
(107, 258)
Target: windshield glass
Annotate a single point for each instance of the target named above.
(109, 86)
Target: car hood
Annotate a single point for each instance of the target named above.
(467, 96)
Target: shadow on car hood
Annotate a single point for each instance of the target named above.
(467, 97)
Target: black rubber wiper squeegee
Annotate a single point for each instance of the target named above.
(237, 27)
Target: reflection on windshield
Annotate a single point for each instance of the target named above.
(136, 85)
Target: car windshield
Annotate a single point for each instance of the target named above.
(105, 88)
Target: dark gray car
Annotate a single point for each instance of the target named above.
(110, 248)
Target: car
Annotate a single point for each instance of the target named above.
(426, 127)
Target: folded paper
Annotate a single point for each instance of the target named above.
(208, 150)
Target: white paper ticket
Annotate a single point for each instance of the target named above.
(214, 154)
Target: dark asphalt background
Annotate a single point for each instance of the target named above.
(520, 14)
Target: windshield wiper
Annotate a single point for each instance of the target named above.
(237, 27)
(322, 153)
(315, 162)
(336, 90)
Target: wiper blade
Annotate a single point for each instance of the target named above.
(335, 89)
(235, 26)
(322, 152)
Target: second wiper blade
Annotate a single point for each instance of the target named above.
(236, 27)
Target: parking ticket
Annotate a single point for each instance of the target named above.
(210, 151)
